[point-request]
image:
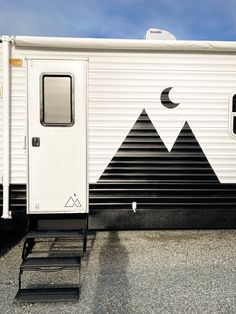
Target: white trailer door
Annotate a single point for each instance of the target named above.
(57, 174)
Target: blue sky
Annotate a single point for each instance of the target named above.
(186, 19)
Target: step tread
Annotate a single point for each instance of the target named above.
(47, 295)
(63, 252)
(53, 234)
(50, 262)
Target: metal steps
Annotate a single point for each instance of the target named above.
(53, 234)
(47, 263)
(58, 233)
(47, 295)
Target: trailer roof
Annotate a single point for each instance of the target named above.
(122, 44)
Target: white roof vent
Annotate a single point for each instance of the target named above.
(158, 34)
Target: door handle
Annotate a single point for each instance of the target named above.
(35, 141)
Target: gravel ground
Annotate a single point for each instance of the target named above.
(140, 272)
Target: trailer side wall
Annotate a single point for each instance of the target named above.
(124, 102)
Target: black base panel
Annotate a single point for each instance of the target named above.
(163, 219)
(58, 221)
(186, 217)
(47, 295)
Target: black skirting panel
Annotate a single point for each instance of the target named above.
(162, 206)
(215, 211)
(163, 219)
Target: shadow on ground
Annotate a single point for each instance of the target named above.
(8, 240)
(112, 285)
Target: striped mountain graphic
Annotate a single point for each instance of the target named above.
(145, 172)
(143, 157)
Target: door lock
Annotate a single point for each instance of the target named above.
(35, 141)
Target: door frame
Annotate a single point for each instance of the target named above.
(27, 137)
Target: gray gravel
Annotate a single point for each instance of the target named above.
(141, 272)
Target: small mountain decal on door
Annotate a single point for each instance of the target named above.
(73, 202)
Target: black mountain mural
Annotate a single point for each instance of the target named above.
(171, 189)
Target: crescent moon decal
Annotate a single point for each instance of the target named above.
(165, 100)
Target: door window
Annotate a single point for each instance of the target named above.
(57, 103)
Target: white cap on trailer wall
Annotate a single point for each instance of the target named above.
(121, 44)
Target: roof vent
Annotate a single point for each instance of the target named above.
(158, 34)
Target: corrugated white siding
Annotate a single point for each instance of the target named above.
(1, 114)
(18, 124)
(121, 85)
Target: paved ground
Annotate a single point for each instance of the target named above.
(140, 272)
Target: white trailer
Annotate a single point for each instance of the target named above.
(135, 133)
(114, 134)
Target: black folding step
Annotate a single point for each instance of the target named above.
(53, 234)
(60, 253)
(47, 295)
(50, 263)
(66, 234)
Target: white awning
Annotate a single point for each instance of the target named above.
(122, 44)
